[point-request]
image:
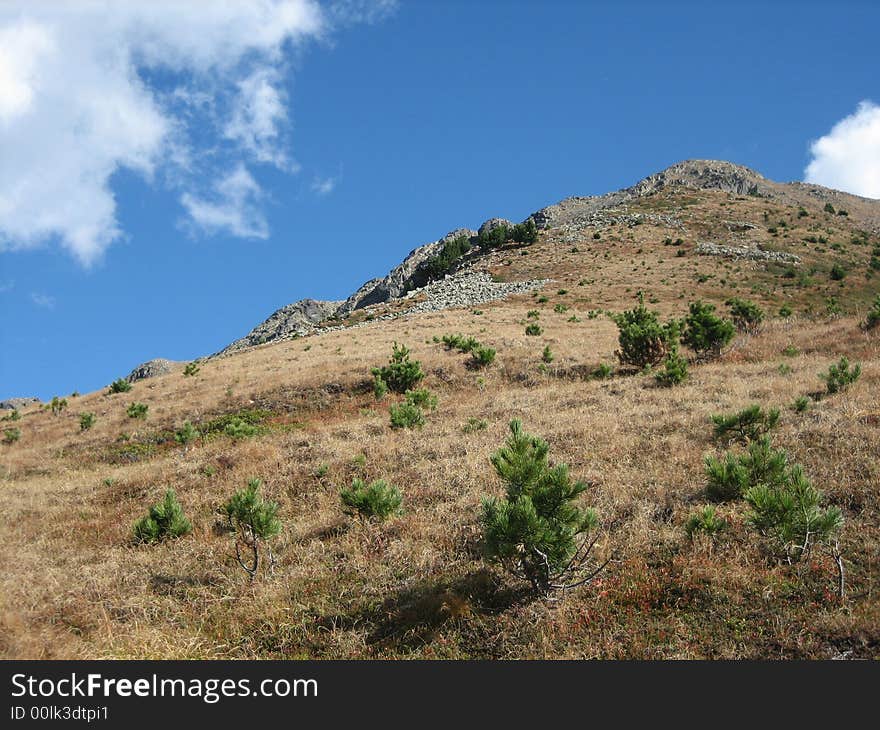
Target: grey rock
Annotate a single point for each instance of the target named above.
(295, 319)
(13, 404)
(750, 252)
(493, 223)
(151, 368)
(406, 276)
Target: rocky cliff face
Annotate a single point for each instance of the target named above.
(298, 318)
(408, 275)
(150, 369)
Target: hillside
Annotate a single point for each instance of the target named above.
(418, 584)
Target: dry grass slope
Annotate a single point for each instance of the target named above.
(75, 585)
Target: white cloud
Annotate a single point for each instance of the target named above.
(848, 157)
(323, 185)
(44, 301)
(80, 100)
(233, 208)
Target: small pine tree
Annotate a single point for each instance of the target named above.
(840, 376)
(191, 369)
(57, 405)
(704, 332)
(791, 516)
(120, 385)
(377, 499)
(746, 425)
(706, 521)
(86, 421)
(254, 521)
(675, 370)
(535, 531)
(533, 329)
(547, 355)
(643, 340)
(186, 434)
(730, 477)
(406, 415)
(423, 398)
(137, 410)
(482, 357)
(380, 387)
(747, 316)
(165, 520)
(401, 373)
(11, 435)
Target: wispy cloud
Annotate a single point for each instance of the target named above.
(80, 100)
(44, 301)
(324, 185)
(848, 157)
(233, 208)
(7, 286)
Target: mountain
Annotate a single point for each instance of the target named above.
(501, 330)
(307, 315)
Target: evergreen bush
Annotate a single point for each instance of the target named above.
(165, 520)
(536, 531)
(401, 373)
(643, 340)
(704, 332)
(377, 499)
(746, 425)
(254, 521)
(840, 375)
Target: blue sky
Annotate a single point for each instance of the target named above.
(251, 157)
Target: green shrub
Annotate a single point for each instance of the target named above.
(873, 318)
(423, 398)
(238, 428)
(406, 415)
(675, 370)
(790, 514)
(460, 343)
(377, 499)
(186, 434)
(705, 521)
(560, 308)
(705, 333)
(729, 477)
(494, 238)
(791, 351)
(86, 421)
(137, 410)
(11, 435)
(533, 330)
(800, 404)
(547, 355)
(165, 520)
(13, 415)
(840, 376)
(191, 369)
(785, 311)
(121, 385)
(475, 424)
(838, 273)
(401, 373)
(746, 425)
(602, 371)
(643, 340)
(526, 232)
(57, 405)
(829, 208)
(254, 521)
(482, 357)
(534, 531)
(380, 387)
(533, 314)
(747, 316)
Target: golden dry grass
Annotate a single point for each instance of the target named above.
(74, 585)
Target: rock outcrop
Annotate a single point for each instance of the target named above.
(151, 368)
(292, 320)
(406, 276)
(12, 404)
